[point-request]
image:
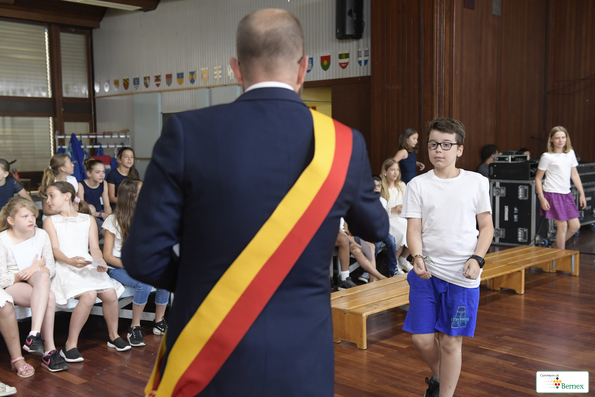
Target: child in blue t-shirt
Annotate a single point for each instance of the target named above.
(9, 186)
(442, 207)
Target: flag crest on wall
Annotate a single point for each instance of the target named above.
(363, 54)
(343, 59)
(157, 80)
(116, 84)
(180, 77)
(204, 74)
(125, 82)
(136, 82)
(192, 77)
(147, 81)
(310, 64)
(325, 61)
(168, 79)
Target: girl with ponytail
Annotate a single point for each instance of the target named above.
(61, 168)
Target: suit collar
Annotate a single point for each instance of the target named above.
(271, 93)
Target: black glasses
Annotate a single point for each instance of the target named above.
(444, 145)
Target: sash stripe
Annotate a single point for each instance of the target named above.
(241, 294)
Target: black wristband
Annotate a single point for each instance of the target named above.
(410, 258)
(479, 260)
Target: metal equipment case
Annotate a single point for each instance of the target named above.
(515, 211)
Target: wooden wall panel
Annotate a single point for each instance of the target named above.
(522, 90)
(571, 83)
(397, 74)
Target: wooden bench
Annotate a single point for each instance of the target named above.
(506, 269)
(503, 269)
(351, 307)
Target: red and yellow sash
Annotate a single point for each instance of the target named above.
(243, 291)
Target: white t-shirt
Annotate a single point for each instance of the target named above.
(448, 210)
(558, 167)
(111, 225)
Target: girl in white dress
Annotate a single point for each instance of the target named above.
(28, 281)
(73, 235)
(393, 191)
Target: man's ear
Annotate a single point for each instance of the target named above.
(235, 66)
(303, 68)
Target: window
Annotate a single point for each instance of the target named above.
(74, 65)
(26, 139)
(24, 60)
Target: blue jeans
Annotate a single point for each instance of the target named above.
(391, 247)
(141, 295)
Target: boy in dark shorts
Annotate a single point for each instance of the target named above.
(442, 207)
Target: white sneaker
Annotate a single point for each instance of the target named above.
(405, 265)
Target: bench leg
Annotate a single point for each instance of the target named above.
(568, 264)
(515, 281)
(350, 327)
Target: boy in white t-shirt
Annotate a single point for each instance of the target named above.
(442, 207)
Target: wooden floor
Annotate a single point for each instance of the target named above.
(550, 327)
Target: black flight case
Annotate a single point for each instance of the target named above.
(515, 211)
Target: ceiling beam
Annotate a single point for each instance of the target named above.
(54, 11)
(145, 5)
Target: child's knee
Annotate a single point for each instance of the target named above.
(109, 296)
(423, 341)
(450, 344)
(88, 298)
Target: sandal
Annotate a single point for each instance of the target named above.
(24, 371)
(6, 390)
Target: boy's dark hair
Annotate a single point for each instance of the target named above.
(488, 150)
(449, 126)
(377, 178)
(522, 150)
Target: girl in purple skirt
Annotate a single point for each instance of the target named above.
(554, 195)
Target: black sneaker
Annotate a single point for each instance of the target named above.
(72, 355)
(160, 327)
(34, 344)
(53, 362)
(433, 387)
(119, 344)
(135, 336)
(346, 284)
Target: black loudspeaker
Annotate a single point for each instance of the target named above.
(350, 19)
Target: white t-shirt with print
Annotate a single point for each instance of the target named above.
(557, 167)
(448, 210)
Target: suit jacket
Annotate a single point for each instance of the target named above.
(215, 177)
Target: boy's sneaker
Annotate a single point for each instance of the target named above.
(72, 355)
(405, 265)
(119, 344)
(346, 284)
(160, 327)
(396, 272)
(135, 336)
(365, 277)
(53, 362)
(34, 344)
(433, 387)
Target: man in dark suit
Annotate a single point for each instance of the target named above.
(253, 191)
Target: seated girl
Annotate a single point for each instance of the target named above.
(26, 269)
(79, 274)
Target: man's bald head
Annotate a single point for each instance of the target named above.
(269, 42)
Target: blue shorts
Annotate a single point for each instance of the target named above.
(437, 305)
